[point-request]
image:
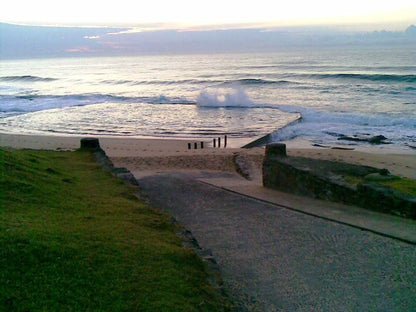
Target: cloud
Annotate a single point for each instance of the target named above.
(33, 41)
(80, 50)
(91, 37)
(19, 41)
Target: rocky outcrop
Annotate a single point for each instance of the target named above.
(376, 139)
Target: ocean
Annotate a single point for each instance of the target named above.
(326, 95)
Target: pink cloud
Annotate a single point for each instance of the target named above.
(111, 44)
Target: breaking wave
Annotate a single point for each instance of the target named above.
(11, 105)
(330, 125)
(234, 97)
(257, 81)
(26, 78)
(160, 82)
(242, 81)
(370, 77)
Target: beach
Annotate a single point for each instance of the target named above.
(149, 155)
(91, 227)
(241, 95)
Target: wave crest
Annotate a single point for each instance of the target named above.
(26, 78)
(258, 81)
(371, 77)
(11, 105)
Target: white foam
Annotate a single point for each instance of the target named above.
(15, 105)
(327, 126)
(224, 97)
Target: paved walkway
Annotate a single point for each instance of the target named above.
(278, 259)
(380, 223)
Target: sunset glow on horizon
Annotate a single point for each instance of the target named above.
(188, 14)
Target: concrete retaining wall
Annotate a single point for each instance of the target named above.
(325, 180)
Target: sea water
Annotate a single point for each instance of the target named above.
(335, 91)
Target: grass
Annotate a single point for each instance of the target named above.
(74, 238)
(353, 179)
(404, 185)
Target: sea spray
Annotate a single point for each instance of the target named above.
(224, 97)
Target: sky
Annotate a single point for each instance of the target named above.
(192, 14)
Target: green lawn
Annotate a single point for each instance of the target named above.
(74, 238)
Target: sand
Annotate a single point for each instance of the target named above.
(149, 155)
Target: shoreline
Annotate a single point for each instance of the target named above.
(155, 154)
(26, 140)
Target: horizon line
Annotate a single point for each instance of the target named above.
(353, 27)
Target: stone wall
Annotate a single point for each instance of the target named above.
(326, 180)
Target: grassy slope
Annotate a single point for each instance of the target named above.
(73, 238)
